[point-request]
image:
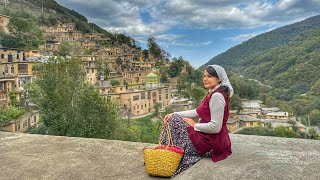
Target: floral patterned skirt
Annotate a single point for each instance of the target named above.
(180, 137)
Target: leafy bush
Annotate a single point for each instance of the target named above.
(139, 130)
(11, 113)
(114, 82)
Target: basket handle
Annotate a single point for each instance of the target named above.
(168, 132)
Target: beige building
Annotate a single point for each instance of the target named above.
(249, 121)
(6, 82)
(140, 102)
(23, 123)
(266, 110)
(138, 99)
(173, 82)
(181, 104)
(232, 113)
(4, 21)
(278, 115)
(141, 66)
(233, 125)
(134, 76)
(14, 71)
(62, 27)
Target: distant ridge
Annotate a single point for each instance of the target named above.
(264, 42)
(287, 57)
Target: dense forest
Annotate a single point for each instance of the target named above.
(287, 59)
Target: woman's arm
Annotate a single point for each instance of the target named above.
(185, 114)
(189, 113)
(216, 105)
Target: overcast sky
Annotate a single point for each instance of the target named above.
(197, 30)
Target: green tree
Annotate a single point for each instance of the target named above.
(313, 134)
(114, 82)
(174, 69)
(95, 118)
(154, 48)
(235, 102)
(315, 89)
(68, 105)
(64, 49)
(197, 94)
(13, 98)
(157, 106)
(119, 61)
(314, 117)
(282, 131)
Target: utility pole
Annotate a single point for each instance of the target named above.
(309, 121)
(5, 2)
(42, 6)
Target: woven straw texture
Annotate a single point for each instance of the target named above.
(163, 160)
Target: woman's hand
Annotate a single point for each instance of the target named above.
(191, 122)
(165, 119)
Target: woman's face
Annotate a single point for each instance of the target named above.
(209, 81)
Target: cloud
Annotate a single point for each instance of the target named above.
(242, 37)
(144, 18)
(179, 40)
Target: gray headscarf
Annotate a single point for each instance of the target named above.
(223, 77)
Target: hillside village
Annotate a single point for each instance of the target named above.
(129, 77)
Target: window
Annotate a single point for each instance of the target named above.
(12, 70)
(2, 56)
(143, 95)
(1, 86)
(17, 127)
(167, 96)
(251, 123)
(25, 123)
(135, 98)
(6, 69)
(22, 68)
(10, 58)
(149, 95)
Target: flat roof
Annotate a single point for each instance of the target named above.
(270, 109)
(277, 114)
(248, 118)
(250, 104)
(231, 121)
(4, 15)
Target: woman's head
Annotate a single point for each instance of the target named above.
(215, 75)
(210, 78)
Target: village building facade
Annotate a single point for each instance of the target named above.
(23, 123)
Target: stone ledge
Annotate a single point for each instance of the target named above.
(26, 156)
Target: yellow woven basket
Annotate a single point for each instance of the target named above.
(163, 160)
